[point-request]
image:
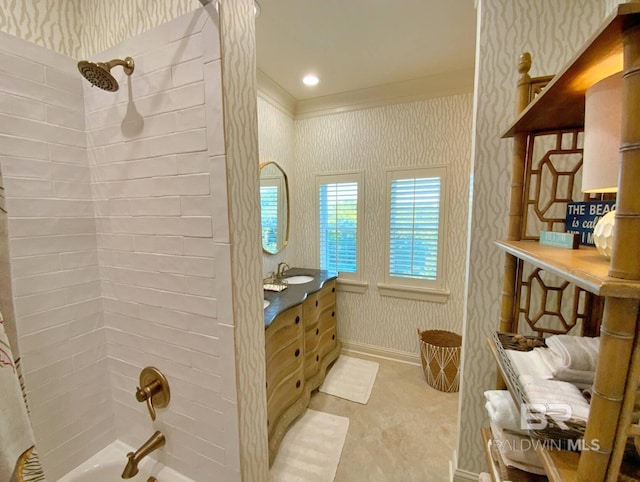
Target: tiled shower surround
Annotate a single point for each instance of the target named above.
(119, 245)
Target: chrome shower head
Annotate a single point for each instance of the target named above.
(99, 74)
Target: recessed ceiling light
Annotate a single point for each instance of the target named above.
(256, 8)
(310, 80)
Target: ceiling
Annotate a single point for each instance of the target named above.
(357, 44)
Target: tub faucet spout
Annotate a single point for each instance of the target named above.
(156, 441)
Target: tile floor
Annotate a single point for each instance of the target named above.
(407, 431)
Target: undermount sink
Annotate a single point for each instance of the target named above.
(298, 280)
(266, 303)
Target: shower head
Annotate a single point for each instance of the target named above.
(99, 74)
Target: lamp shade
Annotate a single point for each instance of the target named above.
(602, 130)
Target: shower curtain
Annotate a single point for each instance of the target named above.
(19, 460)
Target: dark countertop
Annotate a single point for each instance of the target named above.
(294, 294)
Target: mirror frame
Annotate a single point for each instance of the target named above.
(288, 217)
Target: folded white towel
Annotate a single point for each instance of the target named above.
(582, 378)
(502, 411)
(529, 363)
(576, 352)
(532, 469)
(550, 392)
(515, 448)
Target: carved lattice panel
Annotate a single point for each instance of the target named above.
(553, 178)
(550, 305)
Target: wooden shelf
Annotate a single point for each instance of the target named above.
(561, 104)
(584, 267)
(512, 474)
(560, 465)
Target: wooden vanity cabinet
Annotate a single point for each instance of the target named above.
(284, 348)
(319, 318)
(300, 344)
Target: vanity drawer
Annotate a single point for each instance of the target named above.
(318, 301)
(284, 395)
(285, 329)
(328, 341)
(282, 363)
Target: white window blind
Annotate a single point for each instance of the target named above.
(338, 224)
(414, 228)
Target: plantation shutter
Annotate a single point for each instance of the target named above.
(414, 228)
(338, 223)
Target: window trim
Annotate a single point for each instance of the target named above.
(399, 287)
(351, 279)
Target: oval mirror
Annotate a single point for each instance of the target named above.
(274, 207)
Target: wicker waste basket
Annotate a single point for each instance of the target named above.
(440, 356)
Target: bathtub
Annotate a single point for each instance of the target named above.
(107, 466)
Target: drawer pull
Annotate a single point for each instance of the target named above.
(297, 320)
(316, 303)
(333, 337)
(297, 352)
(333, 314)
(298, 384)
(333, 290)
(317, 331)
(317, 358)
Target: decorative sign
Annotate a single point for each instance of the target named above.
(582, 217)
(561, 240)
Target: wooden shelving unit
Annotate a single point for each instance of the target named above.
(584, 267)
(615, 285)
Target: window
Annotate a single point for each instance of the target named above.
(339, 223)
(415, 233)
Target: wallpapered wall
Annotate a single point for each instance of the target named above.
(81, 28)
(430, 132)
(241, 139)
(54, 24)
(276, 139)
(551, 31)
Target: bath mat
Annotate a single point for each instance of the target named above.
(351, 378)
(311, 449)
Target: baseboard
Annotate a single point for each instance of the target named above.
(465, 476)
(353, 347)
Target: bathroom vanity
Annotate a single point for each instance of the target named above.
(300, 344)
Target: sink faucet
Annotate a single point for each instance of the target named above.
(156, 441)
(282, 267)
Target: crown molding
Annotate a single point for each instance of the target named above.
(270, 91)
(442, 85)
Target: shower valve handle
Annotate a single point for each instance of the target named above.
(153, 389)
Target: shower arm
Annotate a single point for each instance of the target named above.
(127, 65)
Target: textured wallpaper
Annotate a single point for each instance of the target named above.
(276, 138)
(241, 140)
(81, 28)
(551, 31)
(54, 24)
(105, 24)
(430, 132)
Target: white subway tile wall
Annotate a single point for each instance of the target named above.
(120, 247)
(53, 246)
